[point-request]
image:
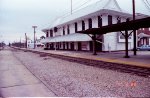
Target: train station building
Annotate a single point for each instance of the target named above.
(62, 34)
(143, 36)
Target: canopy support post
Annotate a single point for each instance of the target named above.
(126, 44)
(94, 44)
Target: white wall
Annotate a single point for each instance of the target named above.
(86, 24)
(110, 39)
(79, 26)
(72, 28)
(95, 22)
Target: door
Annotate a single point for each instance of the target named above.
(91, 45)
(99, 46)
(72, 46)
(79, 46)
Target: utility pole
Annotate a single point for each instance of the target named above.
(0, 42)
(34, 27)
(20, 42)
(25, 40)
(134, 31)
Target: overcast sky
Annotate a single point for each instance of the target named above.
(18, 16)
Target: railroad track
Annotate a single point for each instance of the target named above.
(136, 70)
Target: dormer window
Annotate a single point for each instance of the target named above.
(76, 27)
(127, 20)
(109, 20)
(68, 29)
(47, 35)
(99, 21)
(55, 29)
(63, 30)
(83, 25)
(51, 33)
(90, 23)
(118, 19)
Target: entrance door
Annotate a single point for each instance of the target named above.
(63, 45)
(99, 45)
(91, 45)
(67, 46)
(79, 46)
(72, 46)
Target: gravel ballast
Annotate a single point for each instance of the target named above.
(68, 79)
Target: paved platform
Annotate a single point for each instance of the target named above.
(142, 59)
(17, 81)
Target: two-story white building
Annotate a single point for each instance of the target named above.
(62, 34)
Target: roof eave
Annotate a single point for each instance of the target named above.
(102, 11)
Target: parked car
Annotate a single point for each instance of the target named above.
(144, 48)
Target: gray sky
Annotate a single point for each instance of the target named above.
(18, 16)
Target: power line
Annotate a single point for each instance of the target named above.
(82, 5)
(74, 9)
(146, 4)
(78, 8)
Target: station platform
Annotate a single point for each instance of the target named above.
(141, 60)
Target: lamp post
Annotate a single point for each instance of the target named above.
(34, 27)
(134, 31)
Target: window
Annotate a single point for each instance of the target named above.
(127, 19)
(68, 29)
(109, 20)
(76, 27)
(51, 33)
(47, 34)
(90, 23)
(83, 25)
(144, 29)
(118, 19)
(55, 29)
(63, 30)
(99, 21)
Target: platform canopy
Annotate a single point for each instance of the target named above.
(130, 25)
(75, 37)
(141, 35)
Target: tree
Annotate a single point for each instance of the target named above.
(42, 37)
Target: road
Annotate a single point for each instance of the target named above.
(17, 81)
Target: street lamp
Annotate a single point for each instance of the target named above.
(34, 27)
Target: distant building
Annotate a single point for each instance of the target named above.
(143, 36)
(38, 44)
(62, 34)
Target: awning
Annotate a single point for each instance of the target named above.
(131, 25)
(46, 40)
(141, 35)
(75, 37)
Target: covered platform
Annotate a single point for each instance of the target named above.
(142, 60)
(124, 26)
(75, 37)
(138, 64)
